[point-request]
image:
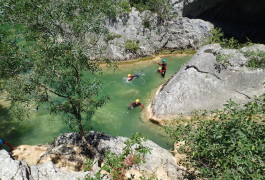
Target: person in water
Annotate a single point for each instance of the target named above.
(131, 77)
(163, 69)
(2, 141)
(136, 104)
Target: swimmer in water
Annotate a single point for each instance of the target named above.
(131, 77)
(136, 104)
(163, 67)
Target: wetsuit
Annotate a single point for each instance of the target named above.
(132, 77)
(6, 143)
(164, 68)
(134, 105)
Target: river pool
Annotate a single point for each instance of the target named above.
(114, 118)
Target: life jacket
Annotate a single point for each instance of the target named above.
(135, 104)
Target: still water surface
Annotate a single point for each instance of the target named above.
(114, 118)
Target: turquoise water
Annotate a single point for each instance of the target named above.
(114, 118)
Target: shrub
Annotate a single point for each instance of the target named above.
(110, 36)
(231, 145)
(217, 36)
(117, 165)
(131, 45)
(125, 6)
(256, 59)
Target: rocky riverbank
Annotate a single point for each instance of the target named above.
(212, 77)
(64, 159)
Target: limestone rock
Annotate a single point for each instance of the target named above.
(20, 170)
(68, 147)
(151, 34)
(205, 83)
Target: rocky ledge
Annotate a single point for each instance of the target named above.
(65, 158)
(212, 77)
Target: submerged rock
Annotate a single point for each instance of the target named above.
(212, 77)
(67, 155)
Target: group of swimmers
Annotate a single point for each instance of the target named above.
(162, 70)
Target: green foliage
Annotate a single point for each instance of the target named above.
(231, 145)
(110, 36)
(217, 36)
(131, 45)
(161, 7)
(223, 59)
(256, 59)
(125, 6)
(117, 165)
(51, 71)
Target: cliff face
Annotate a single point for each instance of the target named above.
(65, 159)
(136, 34)
(237, 18)
(212, 77)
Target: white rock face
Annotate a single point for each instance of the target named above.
(204, 84)
(151, 33)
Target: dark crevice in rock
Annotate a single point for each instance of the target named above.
(243, 94)
(241, 19)
(197, 69)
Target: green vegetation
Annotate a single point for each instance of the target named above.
(256, 59)
(42, 47)
(222, 59)
(110, 36)
(225, 144)
(161, 7)
(125, 6)
(131, 45)
(116, 166)
(217, 36)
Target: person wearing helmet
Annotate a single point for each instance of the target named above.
(131, 77)
(163, 67)
(2, 141)
(136, 104)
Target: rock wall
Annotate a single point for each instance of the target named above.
(151, 33)
(60, 160)
(237, 18)
(206, 83)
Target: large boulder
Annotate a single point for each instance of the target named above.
(212, 77)
(68, 152)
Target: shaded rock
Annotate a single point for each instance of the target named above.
(237, 18)
(212, 77)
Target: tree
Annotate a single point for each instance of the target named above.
(57, 58)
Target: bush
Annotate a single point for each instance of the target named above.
(161, 7)
(110, 36)
(217, 36)
(125, 6)
(116, 166)
(256, 59)
(131, 45)
(231, 145)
